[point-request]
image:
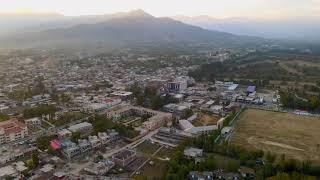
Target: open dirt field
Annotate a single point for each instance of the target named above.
(206, 120)
(295, 136)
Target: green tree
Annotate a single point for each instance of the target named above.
(43, 142)
(314, 102)
(187, 113)
(270, 157)
(35, 159)
(156, 102)
(280, 176)
(75, 136)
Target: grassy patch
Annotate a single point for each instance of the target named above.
(4, 117)
(165, 153)
(155, 171)
(147, 148)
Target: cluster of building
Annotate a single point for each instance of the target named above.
(155, 119)
(96, 87)
(71, 149)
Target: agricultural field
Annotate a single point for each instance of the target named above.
(295, 136)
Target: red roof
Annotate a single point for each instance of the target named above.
(55, 144)
(108, 100)
(12, 126)
(12, 130)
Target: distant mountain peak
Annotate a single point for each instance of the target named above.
(139, 13)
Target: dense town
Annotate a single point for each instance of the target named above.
(122, 116)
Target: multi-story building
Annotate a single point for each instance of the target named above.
(95, 142)
(180, 84)
(99, 168)
(12, 130)
(84, 127)
(33, 122)
(104, 138)
(84, 145)
(70, 149)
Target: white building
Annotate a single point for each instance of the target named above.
(94, 141)
(33, 122)
(84, 127)
(104, 138)
(186, 126)
(191, 153)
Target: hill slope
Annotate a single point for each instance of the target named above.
(300, 28)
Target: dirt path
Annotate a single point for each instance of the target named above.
(281, 145)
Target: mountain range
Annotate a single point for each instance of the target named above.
(299, 28)
(121, 29)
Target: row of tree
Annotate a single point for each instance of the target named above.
(266, 164)
(39, 111)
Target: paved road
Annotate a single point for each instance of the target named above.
(164, 143)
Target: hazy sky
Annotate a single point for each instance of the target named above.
(216, 8)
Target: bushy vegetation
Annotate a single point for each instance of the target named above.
(102, 124)
(4, 117)
(43, 142)
(293, 101)
(68, 117)
(147, 97)
(259, 68)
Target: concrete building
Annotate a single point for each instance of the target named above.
(186, 126)
(12, 130)
(194, 175)
(33, 122)
(8, 171)
(104, 138)
(84, 145)
(99, 168)
(156, 118)
(84, 127)
(177, 85)
(191, 153)
(70, 149)
(94, 142)
(123, 95)
(216, 109)
(64, 133)
(171, 135)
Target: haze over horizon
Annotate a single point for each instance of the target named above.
(253, 9)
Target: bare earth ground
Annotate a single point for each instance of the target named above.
(206, 120)
(295, 136)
